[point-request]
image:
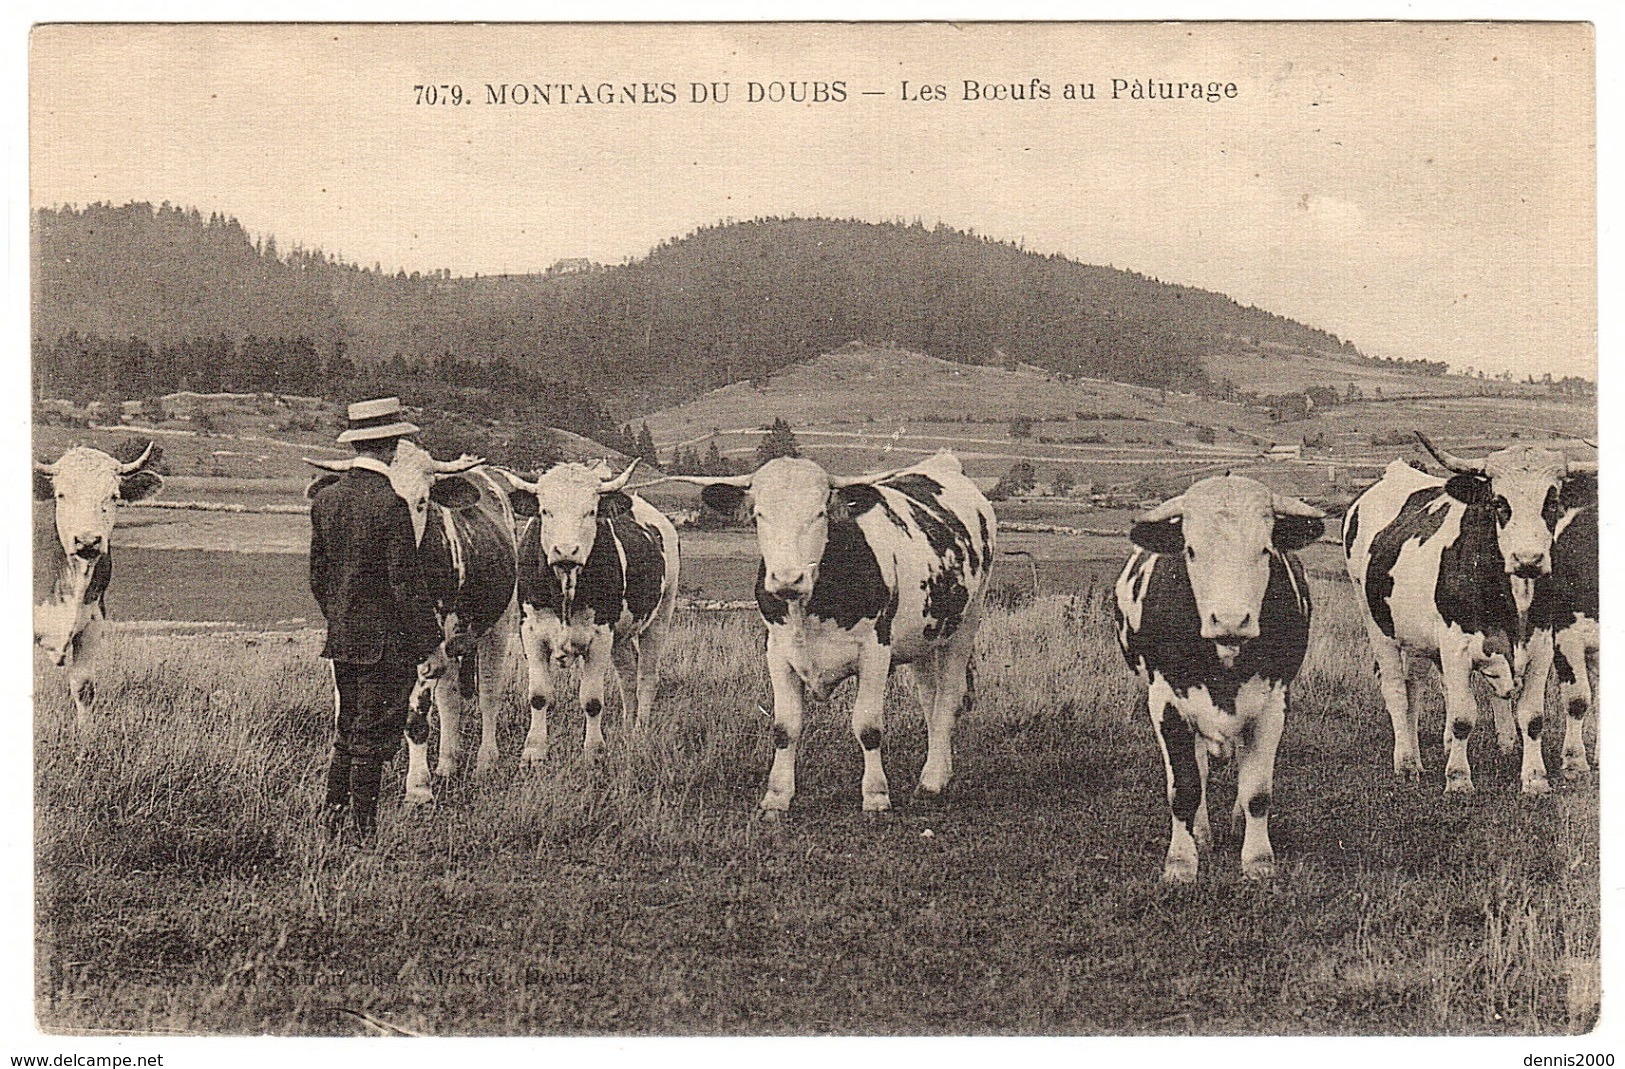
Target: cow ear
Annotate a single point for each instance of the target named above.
(523, 502)
(320, 483)
(613, 505)
(1294, 532)
(723, 498)
(838, 510)
(43, 488)
(1470, 489)
(139, 485)
(454, 492)
(1158, 536)
(1579, 490)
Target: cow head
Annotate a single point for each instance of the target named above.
(1225, 529)
(85, 485)
(417, 479)
(1528, 488)
(792, 502)
(566, 502)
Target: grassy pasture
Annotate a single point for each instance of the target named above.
(181, 885)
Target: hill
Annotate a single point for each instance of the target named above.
(194, 301)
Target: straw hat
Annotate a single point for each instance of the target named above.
(378, 418)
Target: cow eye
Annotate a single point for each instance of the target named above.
(546, 513)
(1190, 554)
(1503, 511)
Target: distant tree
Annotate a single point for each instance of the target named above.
(1061, 482)
(646, 446)
(1020, 479)
(1021, 427)
(715, 463)
(779, 441)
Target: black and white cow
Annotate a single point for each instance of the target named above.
(598, 574)
(858, 575)
(464, 527)
(1575, 621)
(1213, 613)
(73, 556)
(1460, 570)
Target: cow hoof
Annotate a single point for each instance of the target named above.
(924, 795)
(485, 763)
(1178, 871)
(1576, 773)
(419, 796)
(771, 816)
(877, 803)
(446, 769)
(877, 816)
(1260, 869)
(532, 759)
(1408, 773)
(1458, 783)
(1535, 786)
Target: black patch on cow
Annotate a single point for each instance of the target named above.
(524, 503)
(537, 701)
(883, 622)
(1470, 489)
(943, 529)
(1573, 579)
(320, 483)
(869, 738)
(455, 492)
(1536, 724)
(417, 723)
(592, 707)
(1565, 670)
(945, 600)
(1414, 523)
(1351, 530)
(1473, 590)
(968, 699)
(781, 737)
(1258, 806)
(1181, 743)
(1292, 533)
(1579, 491)
(1169, 639)
(774, 610)
(1577, 708)
(613, 506)
(723, 498)
(1249, 731)
(44, 489)
(850, 587)
(468, 675)
(859, 498)
(1461, 728)
(987, 536)
(1164, 537)
(482, 596)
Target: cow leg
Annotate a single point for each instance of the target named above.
(448, 700)
(625, 653)
(788, 693)
(420, 711)
(650, 645)
(1575, 694)
(1255, 775)
(948, 694)
(1460, 717)
(1184, 760)
(493, 661)
(1531, 712)
(1391, 677)
(539, 673)
(84, 652)
(595, 667)
(869, 722)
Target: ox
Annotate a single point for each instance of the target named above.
(73, 556)
(1213, 613)
(597, 583)
(1575, 621)
(464, 525)
(1460, 570)
(859, 575)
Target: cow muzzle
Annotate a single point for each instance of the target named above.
(790, 585)
(1529, 565)
(89, 547)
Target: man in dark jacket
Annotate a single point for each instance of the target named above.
(381, 620)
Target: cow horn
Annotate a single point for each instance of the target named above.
(329, 465)
(741, 481)
(610, 486)
(1450, 460)
(838, 481)
(461, 464)
(138, 463)
(1291, 506)
(1589, 442)
(1174, 506)
(44, 468)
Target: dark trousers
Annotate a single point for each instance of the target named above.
(372, 705)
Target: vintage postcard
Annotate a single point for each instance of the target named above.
(811, 529)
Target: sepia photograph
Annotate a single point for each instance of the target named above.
(1053, 529)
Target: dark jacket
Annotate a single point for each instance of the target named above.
(365, 575)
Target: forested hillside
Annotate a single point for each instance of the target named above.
(137, 299)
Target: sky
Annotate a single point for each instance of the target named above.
(1425, 190)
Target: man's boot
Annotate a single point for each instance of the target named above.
(366, 777)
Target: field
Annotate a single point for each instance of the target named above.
(182, 886)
